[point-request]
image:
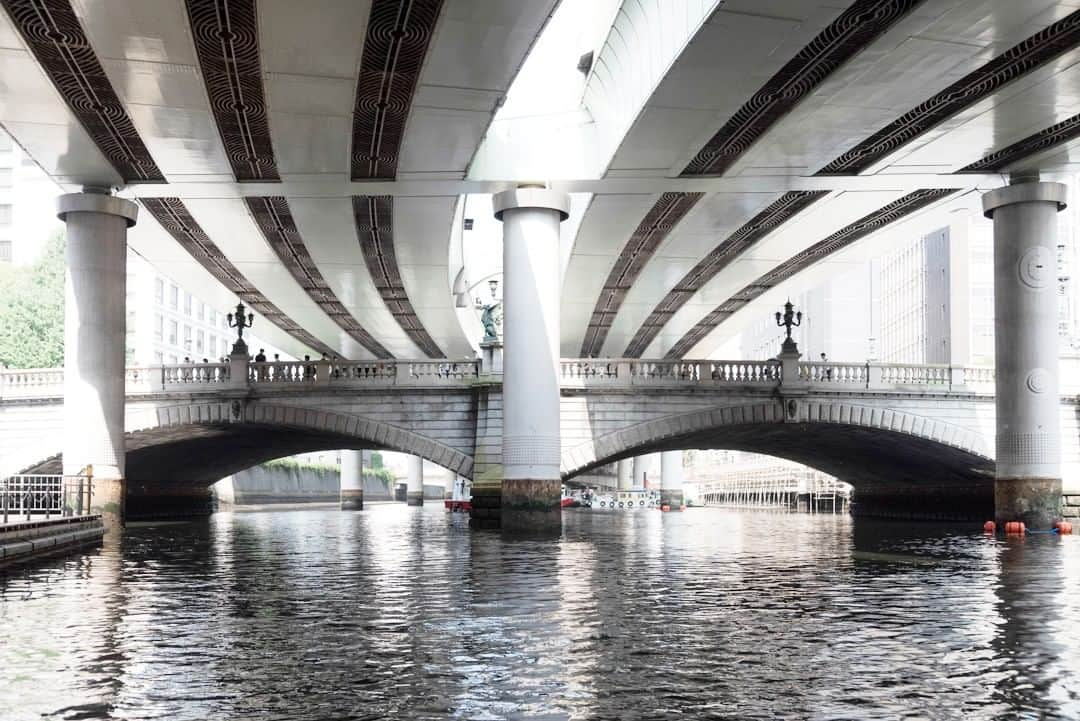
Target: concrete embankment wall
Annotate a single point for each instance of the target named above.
(280, 484)
(28, 540)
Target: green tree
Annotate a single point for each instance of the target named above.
(32, 311)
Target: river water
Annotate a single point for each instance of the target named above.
(404, 613)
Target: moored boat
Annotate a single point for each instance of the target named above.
(634, 500)
(461, 498)
(576, 497)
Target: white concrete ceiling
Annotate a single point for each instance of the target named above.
(309, 57)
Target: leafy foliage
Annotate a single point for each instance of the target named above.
(384, 475)
(32, 311)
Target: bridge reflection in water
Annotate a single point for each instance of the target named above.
(403, 613)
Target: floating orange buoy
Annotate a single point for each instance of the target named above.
(1015, 527)
(989, 527)
(665, 508)
(1063, 527)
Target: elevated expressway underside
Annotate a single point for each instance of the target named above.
(311, 159)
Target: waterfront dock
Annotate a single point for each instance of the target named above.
(21, 541)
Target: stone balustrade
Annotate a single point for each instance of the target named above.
(574, 373)
(588, 372)
(32, 383)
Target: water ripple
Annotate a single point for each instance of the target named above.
(404, 613)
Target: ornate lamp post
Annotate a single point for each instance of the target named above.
(240, 321)
(787, 320)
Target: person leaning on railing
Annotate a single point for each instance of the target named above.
(260, 367)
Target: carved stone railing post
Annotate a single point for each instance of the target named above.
(789, 370)
(491, 359)
(238, 370)
(957, 378)
(322, 372)
(874, 376)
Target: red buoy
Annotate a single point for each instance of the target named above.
(1015, 528)
(989, 527)
(1063, 527)
(665, 507)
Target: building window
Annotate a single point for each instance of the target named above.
(158, 358)
(187, 337)
(159, 327)
(172, 332)
(213, 318)
(5, 251)
(172, 359)
(211, 344)
(5, 214)
(200, 340)
(174, 297)
(187, 304)
(159, 291)
(202, 310)
(5, 177)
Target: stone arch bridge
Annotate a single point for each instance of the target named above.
(906, 436)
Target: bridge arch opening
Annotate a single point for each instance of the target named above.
(172, 462)
(899, 465)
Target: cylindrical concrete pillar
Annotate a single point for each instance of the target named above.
(415, 487)
(1027, 483)
(645, 470)
(531, 486)
(352, 480)
(626, 474)
(671, 479)
(94, 328)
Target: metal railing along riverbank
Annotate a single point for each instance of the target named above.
(574, 373)
(23, 497)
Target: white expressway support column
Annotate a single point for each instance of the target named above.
(94, 335)
(626, 474)
(644, 470)
(671, 479)
(1027, 484)
(352, 481)
(415, 487)
(531, 485)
